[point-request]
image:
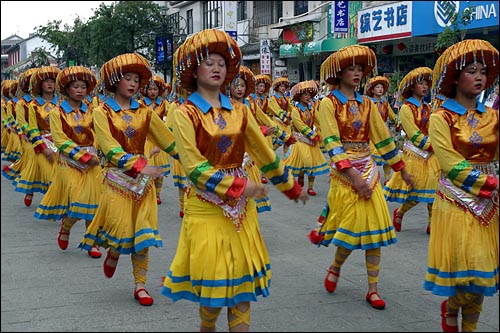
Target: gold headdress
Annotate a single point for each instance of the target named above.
(39, 76)
(416, 75)
(113, 70)
(247, 76)
(265, 79)
(302, 87)
(167, 88)
(373, 82)
(13, 86)
(158, 81)
(199, 47)
(348, 56)
(6, 87)
(74, 73)
(23, 83)
(281, 80)
(456, 57)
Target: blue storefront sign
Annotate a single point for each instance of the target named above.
(340, 17)
(438, 15)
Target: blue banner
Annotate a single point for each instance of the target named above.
(340, 17)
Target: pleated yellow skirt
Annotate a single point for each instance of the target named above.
(356, 223)
(215, 265)
(307, 159)
(462, 253)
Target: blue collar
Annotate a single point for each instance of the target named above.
(303, 108)
(343, 99)
(68, 109)
(454, 106)
(148, 101)
(41, 101)
(414, 101)
(27, 98)
(204, 106)
(134, 105)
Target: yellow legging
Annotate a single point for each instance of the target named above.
(140, 263)
(407, 205)
(471, 304)
(238, 318)
(372, 259)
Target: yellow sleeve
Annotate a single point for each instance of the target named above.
(411, 129)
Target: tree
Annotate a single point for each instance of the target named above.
(111, 31)
(453, 33)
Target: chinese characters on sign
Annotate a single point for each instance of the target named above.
(385, 22)
(341, 17)
(230, 19)
(265, 56)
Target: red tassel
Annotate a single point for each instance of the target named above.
(315, 237)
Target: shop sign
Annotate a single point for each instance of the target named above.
(385, 22)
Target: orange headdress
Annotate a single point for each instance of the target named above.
(23, 85)
(302, 87)
(247, 76)
(158, 81)
(74, 73)
(416, 75)
(199, 47)
(113, 70)
(39, 76)
(348, 56)
(373, 82)
(265, 79)
(6, 87)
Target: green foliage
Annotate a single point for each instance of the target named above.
(394, 83)
(112, 30)
(454, 33)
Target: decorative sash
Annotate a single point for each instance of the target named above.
(74, 163)
(302, 138)
(362, 161)
(47, 139)
(483, 209)
(134, 188)
(233, 209)
(410, 148)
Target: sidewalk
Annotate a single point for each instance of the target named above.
(46, 289)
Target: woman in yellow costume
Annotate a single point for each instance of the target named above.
(126, 221)
(306, 157)
(417, 149)
(74, 192)
(280, 107)
(152, 93)
(358, 216)
(462, 261)
(221, 258)
(376, 89)
(45, 99)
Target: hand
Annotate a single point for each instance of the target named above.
(407, 178)
(49, 154)
(94, 161)
(302, 197)
(255, 190)
(152, 171)
(271, 130)
(154, 151)
(290, 141)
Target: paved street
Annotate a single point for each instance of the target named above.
(46, 289)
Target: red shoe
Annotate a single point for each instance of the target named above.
(5, 168)
(311, 192)
(331, 285)
(263, 180)
(428, 230)
(181, 214)
(144, 300)
(28, 198)
(378, 304)
(158, 200)
(63, 244)
(95, 252)
(108, 270)
(395, 216)
(445, 314)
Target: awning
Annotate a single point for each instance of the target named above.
(329, 45)
(335, 44)
(289, 50)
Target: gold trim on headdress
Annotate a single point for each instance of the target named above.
(159, 82)
(281, 80)
(373, 82)
(23, 85)
(348, 56)
(39, 76)
(305, 86)
(247, 75)
(265, 79)
(6, 87)
(459, 55)
(198, 47)
(74, 73)
(113, 70)
(416, 75)
(167, 88)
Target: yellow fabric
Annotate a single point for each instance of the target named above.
(140, 264)
(214, 264)
(372, 268)
(209, 317)
(240, 317)
(341, 256)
